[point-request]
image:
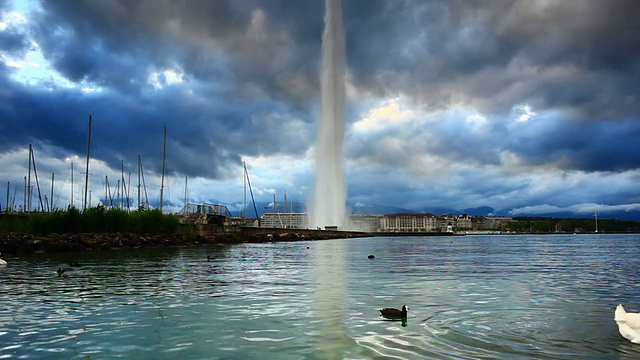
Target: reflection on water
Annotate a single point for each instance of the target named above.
(330, 288)
(474, 297)
(329, 298)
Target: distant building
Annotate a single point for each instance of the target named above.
(464, 222)
(408, 222)
(444, 223)
(399, 222)
(367, 223)
(497, 222)
(480, 223)
(285, 220)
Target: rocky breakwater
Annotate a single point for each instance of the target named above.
(27, 243)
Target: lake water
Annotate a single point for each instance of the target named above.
(471, 297)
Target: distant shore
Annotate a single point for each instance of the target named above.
(17, 244)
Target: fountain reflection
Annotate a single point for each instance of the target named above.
(329, 299)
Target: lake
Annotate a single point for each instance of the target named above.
(469, 297)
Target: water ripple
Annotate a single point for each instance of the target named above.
(491, 297)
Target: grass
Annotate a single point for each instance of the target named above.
(92, 220)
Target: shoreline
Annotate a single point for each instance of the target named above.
(21, 243)
(18, 244)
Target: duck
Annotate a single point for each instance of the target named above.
(628, 324)
(371, 256)
(2, 262)
(394, 314)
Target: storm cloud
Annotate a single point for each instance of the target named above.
(525, 106)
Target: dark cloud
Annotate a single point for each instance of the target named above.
(575, 145)
(236, 56)
(493, 54)
(231, 79)
(256, 48)
(12, 40)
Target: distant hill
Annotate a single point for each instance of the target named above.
(617, 215)
(373, 209)
(376, 209)
(479, 211)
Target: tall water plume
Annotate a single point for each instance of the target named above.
(330, 192)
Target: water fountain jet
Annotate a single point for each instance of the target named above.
(329, 199)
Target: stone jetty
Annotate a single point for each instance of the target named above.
(27, 244)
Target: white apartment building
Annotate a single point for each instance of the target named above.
(408, 222)
(400, 222)
(287, 220)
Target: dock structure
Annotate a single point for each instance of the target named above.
(205, 214)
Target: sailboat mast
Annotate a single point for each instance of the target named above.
(118, 199)
(106, 191)
(596, 216)
(28, 187)
(71, 184)
(24, 207)
(164, 162)
(125, 192)
(86, 178)
(285, 201)
(186, 190)
(275, 206)
(35, 172)
(110, 193)
(251, 192)
(139, 161)
(53, 176)
(244, 204)
(144, 185)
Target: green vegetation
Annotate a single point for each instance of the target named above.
(546, 225)
(92, 220)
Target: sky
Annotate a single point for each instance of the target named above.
(528, 107)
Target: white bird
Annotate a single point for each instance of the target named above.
(628, 324)
(2, 262)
